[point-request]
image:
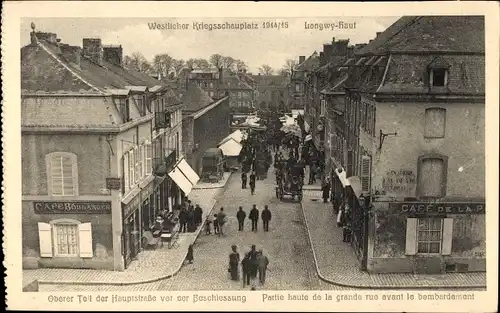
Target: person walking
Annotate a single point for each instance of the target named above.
(183, 220)
(216, 225)
(234, 260)
(254, 266)
(325, 188)
(190, 254)
(252, 183)
(190, 220)
(240, 216)
(262, 262)
(254, 217)
(312, 173)
(244, 180)
(198, 215)
(221, 219)
(266, 217)
(245, 269)
(208, 228)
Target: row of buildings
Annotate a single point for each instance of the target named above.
(401, 123)
(104, 150)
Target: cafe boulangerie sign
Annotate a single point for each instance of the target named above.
(438, 208)
(72, 207)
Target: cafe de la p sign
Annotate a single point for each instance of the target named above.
(427, 238)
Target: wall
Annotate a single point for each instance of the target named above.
(236, 101)
(394, 168)
(93, 156)
(188, 138)
(102, 240)
(209, 130)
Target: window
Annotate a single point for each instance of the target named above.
(323, 108)
(438, 77)
(65, 238)
(131, 169)
(211, 85)
(140, 105)
(126, 173)
(429, 235)
(212, 94)
(124, 109)
(297, 87)
(138, 163)
(432, 175)
(435, 123)
(62, 174)
(148, 159)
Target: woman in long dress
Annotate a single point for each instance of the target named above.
(234, 260)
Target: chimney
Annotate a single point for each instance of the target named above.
(33, 34)
(71, 53)
(340, 47)
(49, 37)
(378, 34)
(370, 41)
(92, 49)
(327, 51)
(302, 58)
(113, 54)
(333, 39)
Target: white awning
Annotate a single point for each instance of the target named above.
(181, 180)
(188, 172)
(355, 184)
(236, 135)
(306, 126)
(230, 147)
(341, 174)
(308, 137)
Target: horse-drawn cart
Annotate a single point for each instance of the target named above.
(289, 182)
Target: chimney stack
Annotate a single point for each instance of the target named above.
(340, 47)
(333, 39)
(302, 58)
(92, 49)
(113, 54)
(71, 53)
(378, 34)
(327, 51)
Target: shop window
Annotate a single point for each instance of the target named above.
(65, 238)
(432, 175)
(426, 236)
(435, 121)
(62, 174)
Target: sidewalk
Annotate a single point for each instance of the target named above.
(150, 265)
(219, 184)
(337, 264)
(315, 186)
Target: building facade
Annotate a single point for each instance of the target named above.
(208, 80)
(86, 159)
(414, 137)
(271, 91)
(241, 95)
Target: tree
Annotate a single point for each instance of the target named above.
(177, 66)
(216, 60)
(201, 64)
(241, 66)
(190, 64)
(228, 63)
(163, 63)
(287, 69)
(137, 62)
(266, 70)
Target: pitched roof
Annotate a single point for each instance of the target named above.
(234, 82)
(45, 68)
(430, 34)
(309, 64)
(271, 80)
(195, 99)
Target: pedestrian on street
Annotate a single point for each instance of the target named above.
(326, 190)
(252, 183)
(190, 254)
(254, 217)
(245, 268)
(263, 263)
(254, 266)
(221, 219)
(190, 220)
(198, 215)
(244, 180)
(266, 217)
(312, 173)
(240, 216)
(216, 225)
(234, 260)
(183, 220)
(208, 228)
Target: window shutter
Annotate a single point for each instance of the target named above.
(365, 174)
(447, 236)
(45, 238)
(56, 171)
(125, 168)
(136, 165)
(85, 240)
(411, 236)
(68, 176)
(131, 168)
(149, 163)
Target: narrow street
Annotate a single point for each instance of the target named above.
(286, 244)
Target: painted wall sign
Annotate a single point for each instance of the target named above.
(401, 182)
(438, 208)
(61, 207)
(113, 183)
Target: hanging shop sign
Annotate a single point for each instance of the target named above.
(113, 183)
(72, 207)
(438, 208)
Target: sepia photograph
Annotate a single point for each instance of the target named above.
(283, 155)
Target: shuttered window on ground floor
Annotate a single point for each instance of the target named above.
(429, 236)
(65, 238)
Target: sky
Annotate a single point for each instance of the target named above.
(271, 46)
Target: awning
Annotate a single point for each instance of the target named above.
(230, 147)
(308, 137)
(355, 184)
(341, 174)
(306, 126)
(184, 176)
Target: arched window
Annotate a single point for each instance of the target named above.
(62, 174)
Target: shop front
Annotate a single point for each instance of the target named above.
(427, 237)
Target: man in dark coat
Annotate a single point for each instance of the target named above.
(190, 220)
(325, 188)
(240, 216)
(183, 220)
(244, 180)
(254, 216)
(266, 217)
(246, 269)
(198, 215)
(252, 183)
(254, 266)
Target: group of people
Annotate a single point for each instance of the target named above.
(219, 221)
(244, 180)
(253, 264)
(190, 217)
(265, 215)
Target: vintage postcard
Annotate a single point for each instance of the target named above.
(250, 156)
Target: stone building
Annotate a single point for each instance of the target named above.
(271, 91)
(208, 80)
(241, 94)
(86, 155)
(413, 125)
(300, 91)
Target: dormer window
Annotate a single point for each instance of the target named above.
(438, 77)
